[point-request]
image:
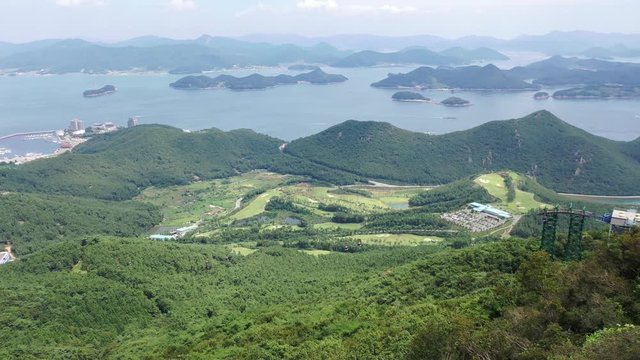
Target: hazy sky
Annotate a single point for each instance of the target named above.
(24, 20)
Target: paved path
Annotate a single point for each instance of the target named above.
(238, 204)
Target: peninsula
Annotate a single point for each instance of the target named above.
(255, 81)
(105, 90)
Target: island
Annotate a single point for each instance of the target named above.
(255, 81)
(481, 78)
(409, 96)
(105, 90)
(455, 102)
(419, 56)
(599, 92)
(303, 67)
(561, 71)
(541, 95)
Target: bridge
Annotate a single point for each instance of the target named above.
(48, 132)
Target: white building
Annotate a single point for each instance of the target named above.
(625, 217)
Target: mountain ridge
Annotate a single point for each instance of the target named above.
(561, 156)
(118, 166)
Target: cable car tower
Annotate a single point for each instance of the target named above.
(573, 249)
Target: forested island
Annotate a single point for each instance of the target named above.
(409, 96)
(599, 92)
(455, 101)
(559, 71)
(255, 81)
(487, 77)
(105, 90)
(541, 95)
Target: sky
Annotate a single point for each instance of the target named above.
(112, 20)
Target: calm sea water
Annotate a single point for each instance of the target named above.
(30, 103)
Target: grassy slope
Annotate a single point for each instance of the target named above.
(524, 201)
(182, 204)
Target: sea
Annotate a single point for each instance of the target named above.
(49, 102)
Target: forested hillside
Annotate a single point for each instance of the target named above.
(117, 166)
(558, 155)
(31, 221)
(123, 298)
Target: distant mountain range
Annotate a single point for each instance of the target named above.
(117, 166)
(206, 53)
(420, 56)
(255, 81)
(152, 53)
(158, 54)
(553, 43)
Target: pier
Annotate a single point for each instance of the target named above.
(34, 133)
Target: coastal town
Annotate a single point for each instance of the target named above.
(65, 140)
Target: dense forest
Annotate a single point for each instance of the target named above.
(30, 221)
(107, 297)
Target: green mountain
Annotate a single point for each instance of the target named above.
(559, 155)
(487, 77)
(115, 166)
(255, 81)
(118, 165)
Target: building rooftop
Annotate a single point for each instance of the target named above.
(488, 209)
(630, 217)
(162, 237)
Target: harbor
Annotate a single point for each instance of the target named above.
(22, 147)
